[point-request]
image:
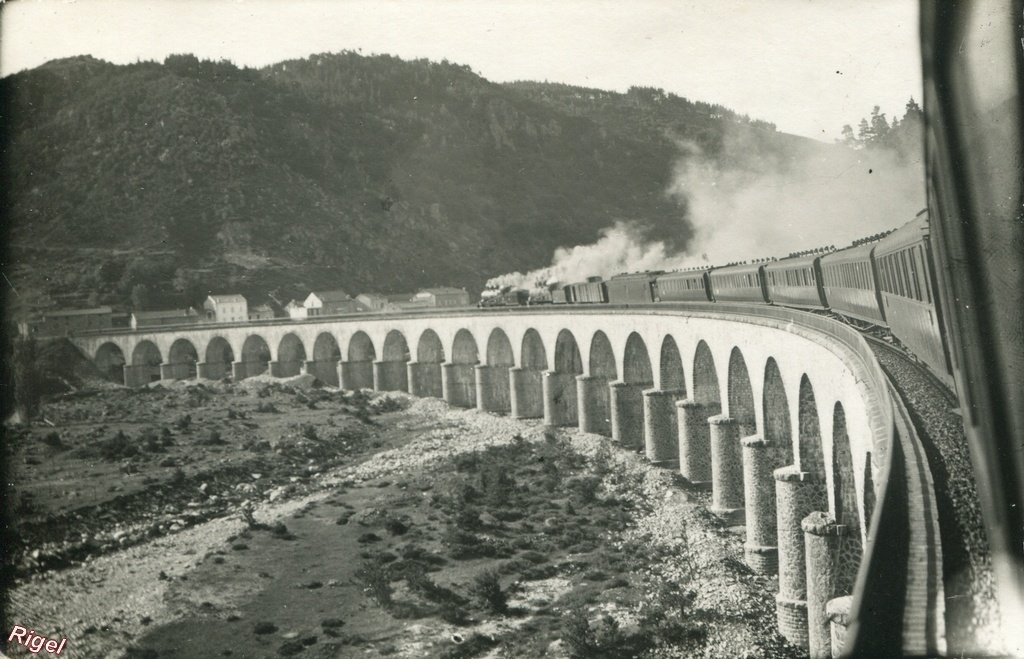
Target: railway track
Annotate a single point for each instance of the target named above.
(881, 345)
(971, 614)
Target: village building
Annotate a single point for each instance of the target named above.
(296, 310)
(329, 303)
(371, 302)
(444, 296)
(164, 317)
(261, 312)
(67, 321)
(404, 301)
(226, 308)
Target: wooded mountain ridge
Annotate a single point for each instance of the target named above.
(367, 173)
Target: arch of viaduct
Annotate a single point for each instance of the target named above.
(785, 416)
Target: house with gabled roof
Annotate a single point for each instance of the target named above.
(231, 308)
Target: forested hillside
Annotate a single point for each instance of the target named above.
(367, 173)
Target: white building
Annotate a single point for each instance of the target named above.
(226, 308)
(296, 310)
(329, 303)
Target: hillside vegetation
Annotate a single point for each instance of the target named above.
(366, 173)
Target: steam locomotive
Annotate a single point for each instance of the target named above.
(886, 281)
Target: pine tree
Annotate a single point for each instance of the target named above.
(849, 139)
(864, 134)
(879, 125)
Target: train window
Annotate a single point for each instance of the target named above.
(902, 261)
(922, 261)
(907, 288)
(897, 286)
(897, 282)
(913, 274)
(891, 265)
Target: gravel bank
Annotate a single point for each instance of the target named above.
(104, 605)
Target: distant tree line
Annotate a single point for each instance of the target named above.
(904, 135)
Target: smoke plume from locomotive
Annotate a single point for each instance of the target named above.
(758, 206)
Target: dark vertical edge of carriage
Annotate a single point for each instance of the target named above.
(979, 277)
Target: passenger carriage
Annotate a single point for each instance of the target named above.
(850, 282)
(738, 283)
(795, 282)
(683, 286)
(903, 259)
(634, 288)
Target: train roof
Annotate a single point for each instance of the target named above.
(738, 269)
(685, 274)
(850, 254)
(638, 275)
(794, 262)
(911, 233)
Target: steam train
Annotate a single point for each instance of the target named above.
(886, 282)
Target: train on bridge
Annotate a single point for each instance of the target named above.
(888, 282)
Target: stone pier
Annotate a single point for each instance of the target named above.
(592, 398)
(424, 379)
(458, 384)
(212, 370)
(177, 371)
(356, 375)
(797, 495)
(626, 403)
(526, 393)
(325, 370)
(822, 537)
(838, 612)
(286, 369)
(761, 550)
(726, 469)
(695, 440)
(661, 428)
(559, 399)
(390, 376)
(492, 389)
(140, 375)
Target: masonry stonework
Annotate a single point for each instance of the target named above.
(797, 494)
(627, 420)
(695, 440)
(661, 429)
(760, 550)
(527, 393)
(726, 469)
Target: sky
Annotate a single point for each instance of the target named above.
(809, 66)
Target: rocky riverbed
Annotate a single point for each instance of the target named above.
(273, 518)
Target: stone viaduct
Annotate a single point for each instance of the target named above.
(785, 416)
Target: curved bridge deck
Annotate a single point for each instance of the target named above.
(784, 414)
